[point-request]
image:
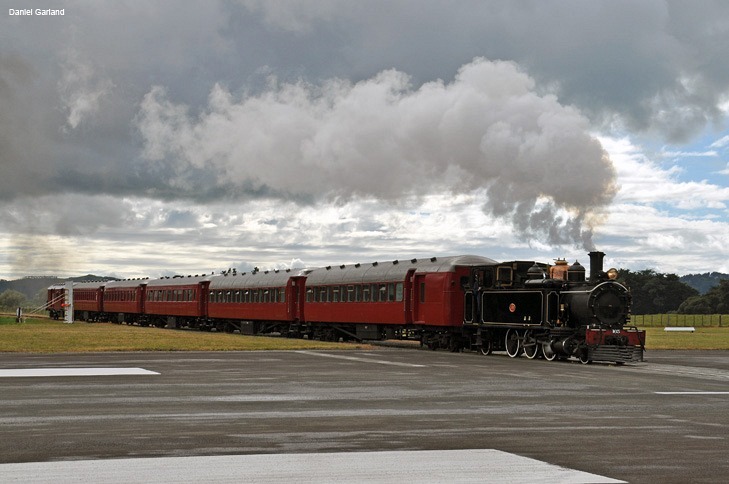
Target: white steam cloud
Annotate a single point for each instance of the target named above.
(487, 131)
(81, 90)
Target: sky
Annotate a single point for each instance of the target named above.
(143, 139)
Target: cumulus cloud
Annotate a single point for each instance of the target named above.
(488, 129)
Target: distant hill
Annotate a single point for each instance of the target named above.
(703, 282)
(31, 286)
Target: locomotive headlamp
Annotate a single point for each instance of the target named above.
(612, 274)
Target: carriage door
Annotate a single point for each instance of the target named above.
(203, 289)
(417, 298)
(298, 296)
(408, 296)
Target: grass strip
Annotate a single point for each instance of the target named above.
(45, 336)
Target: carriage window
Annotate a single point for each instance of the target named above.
(366, 294)
(383, 293)
(399, 292)
(212, 296)
(350, 293)
(282, 295)
(335, 294)
(358, 293)
(309, 295)
(391, 292)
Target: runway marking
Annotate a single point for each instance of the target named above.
(692, 393)
(428, 466)
(365, 360)
(54, 372)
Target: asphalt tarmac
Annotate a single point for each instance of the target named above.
(665, 420)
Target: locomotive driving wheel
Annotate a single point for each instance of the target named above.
(487, 347)
(512, 343)
(584, 357)
(548, 352)
(530, 345)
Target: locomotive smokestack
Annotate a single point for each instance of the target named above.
(595, 264)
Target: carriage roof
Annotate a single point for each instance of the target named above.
(277, 278)
(392, 271)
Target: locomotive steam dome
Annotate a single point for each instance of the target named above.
(576, 273)
(535, 272)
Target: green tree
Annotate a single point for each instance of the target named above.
(11, 299)
(713, 302)
(655, 293)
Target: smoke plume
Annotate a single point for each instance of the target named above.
(487, 131)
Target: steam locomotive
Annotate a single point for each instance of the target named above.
(552, 311)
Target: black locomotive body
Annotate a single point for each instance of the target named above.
(551, 311)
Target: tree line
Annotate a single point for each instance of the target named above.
(657, 293)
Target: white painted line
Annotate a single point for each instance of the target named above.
(366, 360)
(429, 466)
(53, 372)
(691, 393)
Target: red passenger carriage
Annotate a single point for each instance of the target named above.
(124, 300)
(56, 301)
(88, 300)
(176, 302)
(256, 302)
(367, 301)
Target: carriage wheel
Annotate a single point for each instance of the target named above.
(531, 347)
(512, 343)
(584, 358)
